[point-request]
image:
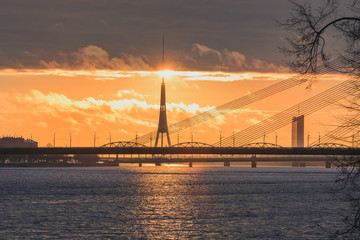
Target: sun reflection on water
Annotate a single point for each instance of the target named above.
(177, 202)
(167, 203)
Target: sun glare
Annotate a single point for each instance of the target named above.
(167, 73)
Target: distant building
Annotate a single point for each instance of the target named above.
(9, 142)
(16, 142)
(297, 131)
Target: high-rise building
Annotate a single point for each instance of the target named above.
(297, 131)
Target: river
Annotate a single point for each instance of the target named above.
(168, 202)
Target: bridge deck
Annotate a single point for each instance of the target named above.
(182, 150)
(214, 160)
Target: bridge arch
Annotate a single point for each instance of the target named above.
(123, 144)
(192, 145)
(261, 145)
(330, 145)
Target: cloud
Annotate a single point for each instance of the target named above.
(253, 121)
(94, 57)
(41, 124)
(129, 93)
(203, 50)
(227, 60)
(55, 26)
(72, 121)
(106, 75)
(198, 58)
(123, 115)
(234, 59)
(124, 110)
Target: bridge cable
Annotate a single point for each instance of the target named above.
(238, 103)
(283, 123)
(283, 118)
(342, 132)
(347, 129)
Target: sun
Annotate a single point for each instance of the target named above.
(166, 73)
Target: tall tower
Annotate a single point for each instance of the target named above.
(162, 127)
(297, 131)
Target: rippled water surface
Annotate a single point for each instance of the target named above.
(167, 203)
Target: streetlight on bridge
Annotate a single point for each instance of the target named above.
(264, 137)
(233, 139)
(150, 140)
(109, 140)
(220, 138)
(94, 139)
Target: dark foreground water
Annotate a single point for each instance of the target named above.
(168, 203)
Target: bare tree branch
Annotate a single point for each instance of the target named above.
(310, 32)
(308, 43)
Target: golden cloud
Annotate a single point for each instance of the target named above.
(93, 57)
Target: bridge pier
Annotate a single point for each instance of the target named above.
(253, 163)
(327, 164)
(190, 164)
(227, 164)
(298, 164)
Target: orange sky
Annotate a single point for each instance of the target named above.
(44, 102)
(66, 68)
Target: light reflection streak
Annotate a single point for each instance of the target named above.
(167, 202)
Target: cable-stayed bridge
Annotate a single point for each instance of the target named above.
(238, 103)
(238, 147)
(283, 118)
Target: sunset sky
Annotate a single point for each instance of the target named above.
(81, 67)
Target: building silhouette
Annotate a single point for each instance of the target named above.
(16, 142)
(297, 131)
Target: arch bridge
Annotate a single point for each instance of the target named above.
(261, 145)
(123, 144)
(193, 145)
(329, 145)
